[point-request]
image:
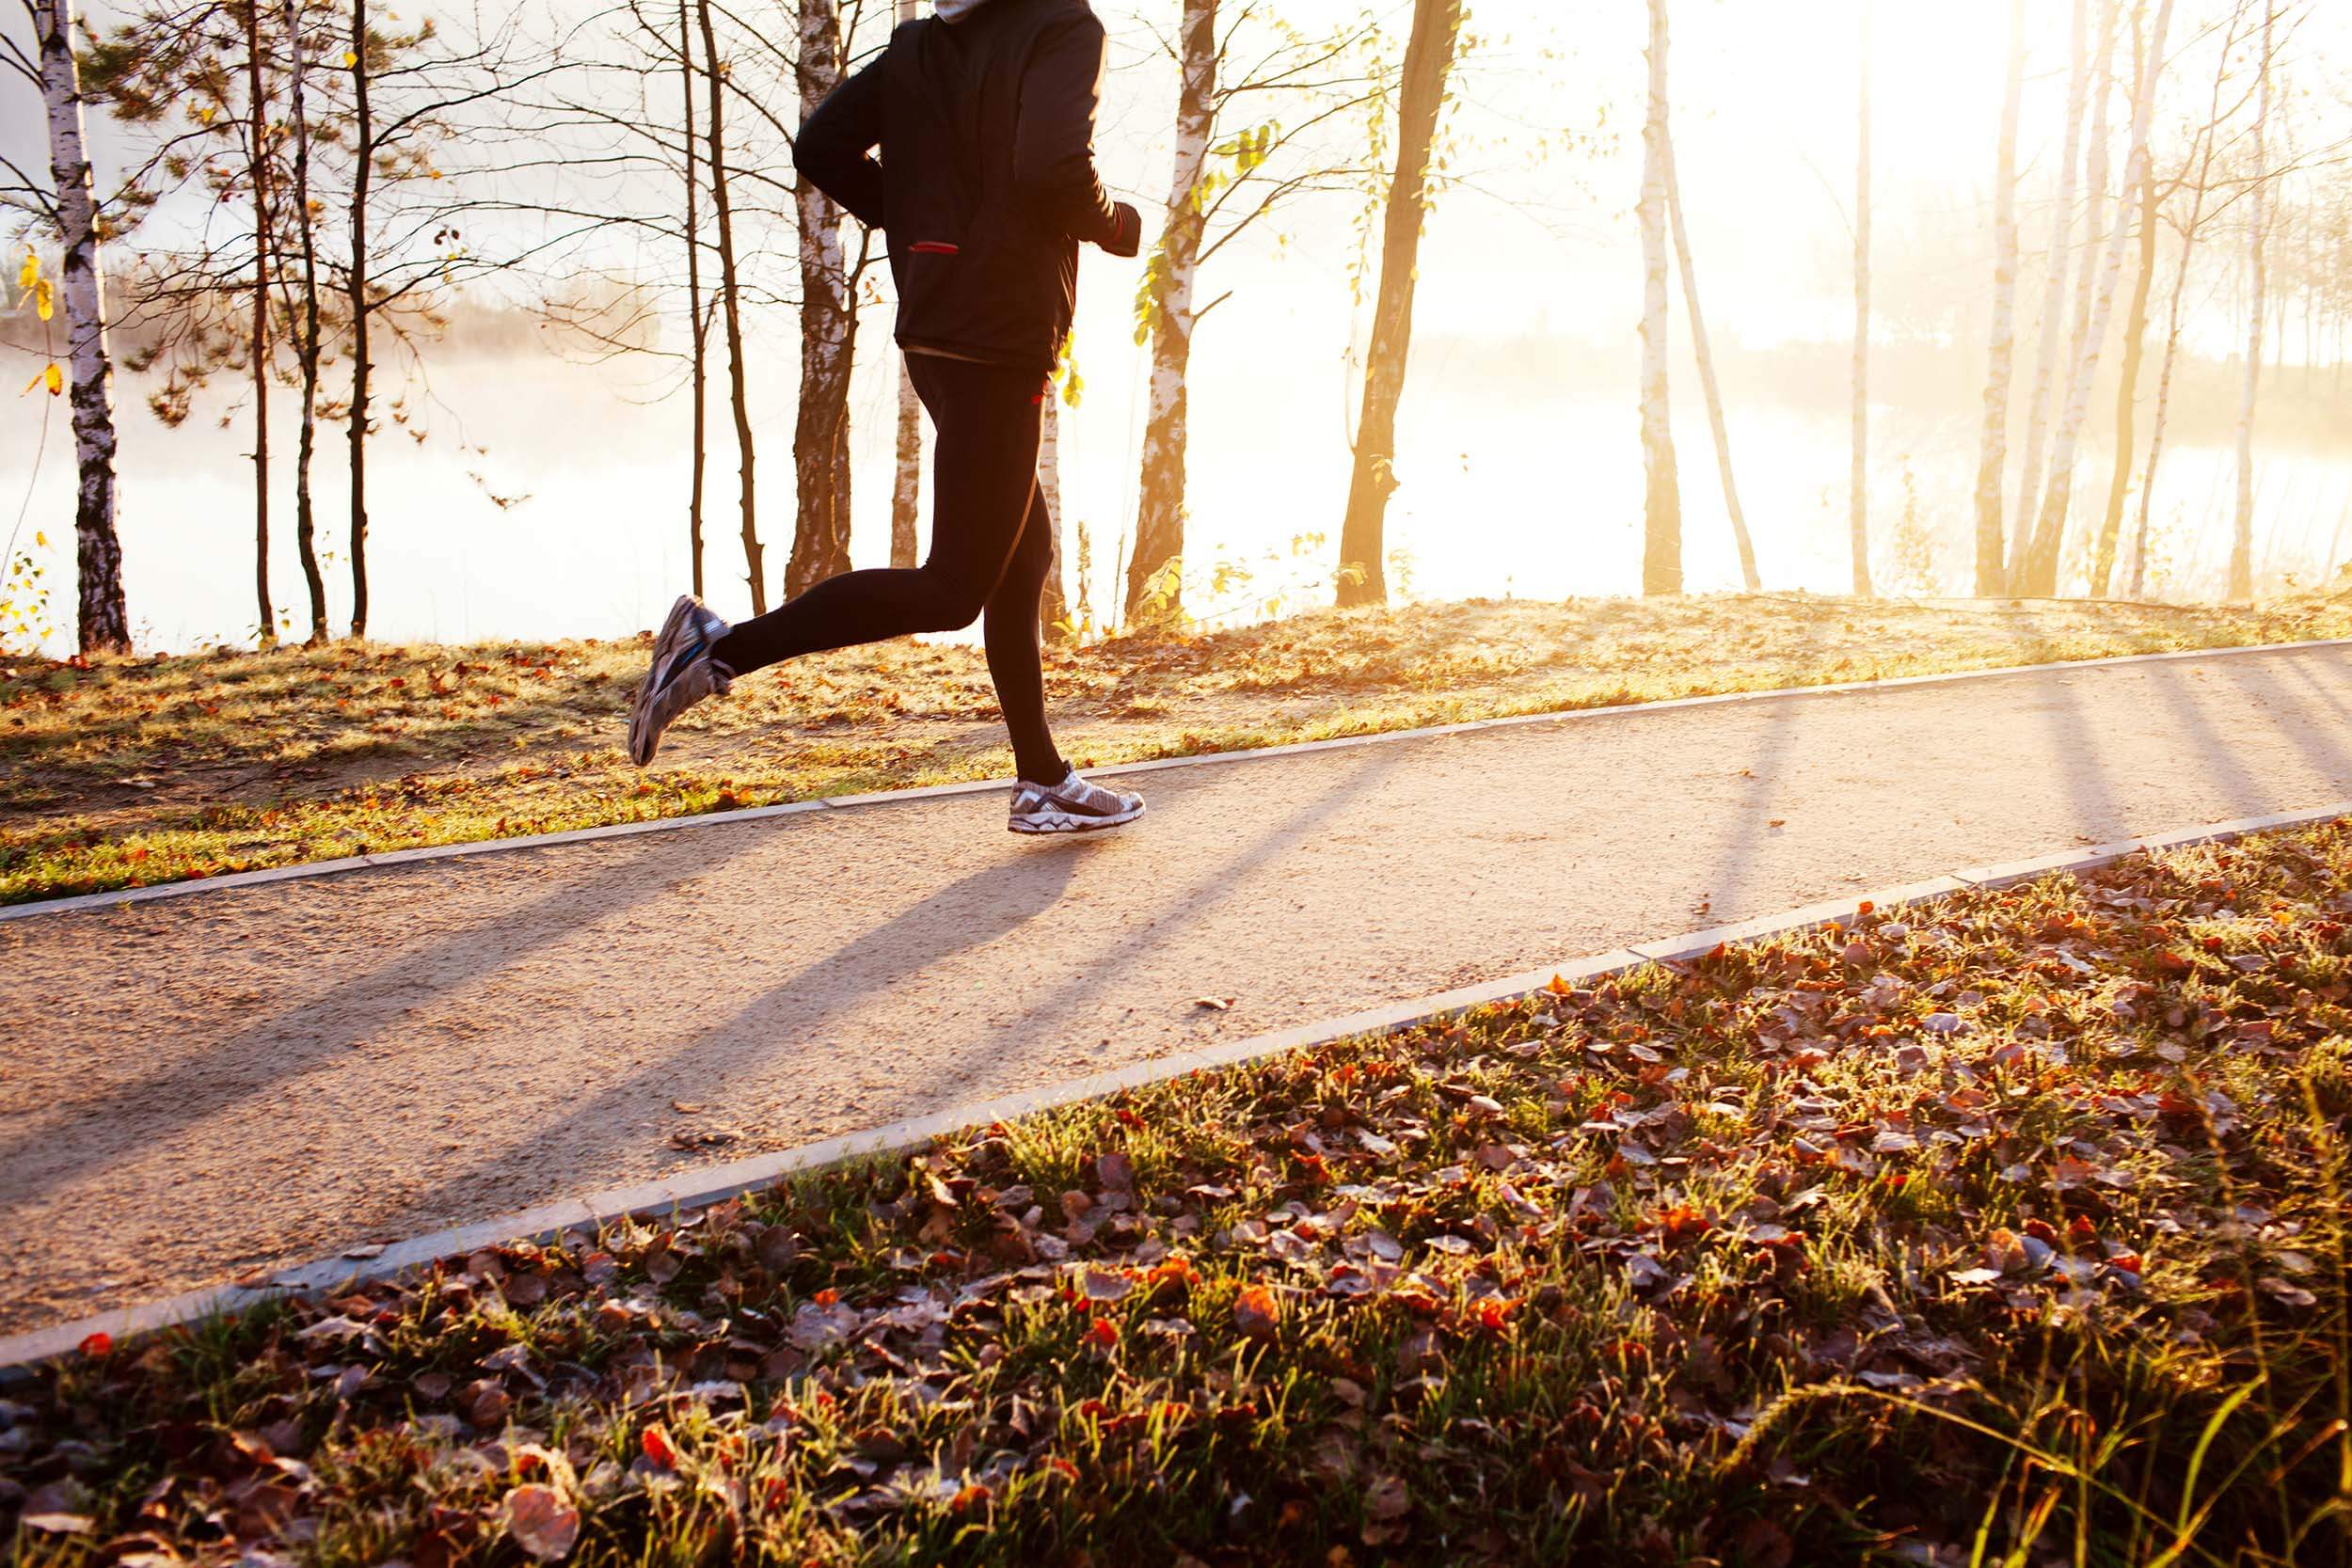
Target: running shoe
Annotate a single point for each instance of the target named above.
(682, 673)
(1075, 805)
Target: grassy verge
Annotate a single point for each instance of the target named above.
(2006, 1230)
(156, 770)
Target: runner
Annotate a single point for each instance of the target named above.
(984, 116)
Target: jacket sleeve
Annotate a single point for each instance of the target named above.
(834, 149)
(1053, 145)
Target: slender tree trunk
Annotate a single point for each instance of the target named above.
(1053, 606)
(906, 490)
(2053, 298)
(906, 487)
(1707, 373)
(1428, 61)
(1859, 481)
(1992, 445)
(2242, 533)
(1661, 502)
(363, 157)
(697, 322)
(264, 236)
(753, 568)
(820, 437)
(1154, 570)
(305, 443)
(2049, 532)
(2134, 351)
(2200, 185)
(2092, 250)
(101, 623)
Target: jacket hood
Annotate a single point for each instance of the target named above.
(956, 10)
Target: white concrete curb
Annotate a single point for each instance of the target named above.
(981, 786)
(712, 1184)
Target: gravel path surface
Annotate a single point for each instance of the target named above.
(198, 1089)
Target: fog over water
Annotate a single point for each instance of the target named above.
(1518, 451)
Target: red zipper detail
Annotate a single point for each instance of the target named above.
(935, 248)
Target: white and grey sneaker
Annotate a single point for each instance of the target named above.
(1075, 805)
(682, 674)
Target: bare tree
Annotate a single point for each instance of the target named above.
(1053, 606)
(1661, 512)
(1704, 354)
(307, 341)
(101, 623)
(1224, 181)
(2134, 346)
(356, 279)
(731, 305)
(697, 322)
(1859, 481)
(2053, 296)
(2242, 530)
(2041, 577)
(820, 437)
(1429, 53)
(1993, 446)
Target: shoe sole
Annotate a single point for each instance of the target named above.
(1056, 823)
(641, 750)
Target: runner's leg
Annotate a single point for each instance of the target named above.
(984, 474)
(1012, 632)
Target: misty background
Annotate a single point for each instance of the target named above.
(546, 496)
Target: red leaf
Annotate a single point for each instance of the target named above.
(658, 1449)
(96, 1345)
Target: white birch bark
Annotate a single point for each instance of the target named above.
(820, 437)
(2091, 252)
(101, 623)
(1662, 546)
(2050, 530)
(1171, 281)
(2053, 298)
(2242, 526)
(1992, 445)
(306, 226)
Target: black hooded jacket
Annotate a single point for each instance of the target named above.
(986, 183)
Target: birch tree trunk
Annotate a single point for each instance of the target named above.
(363, 161)
(1053, 606)
(101, 623)
(820, 436)
(1699, 346)
(1992, 445)
(1428, 61)
(2135, 350)
(2050, 531)
(730, 303)
(697, 324)
(306, 435)
(2242, 530)
(1154, 570)
(257, 134)
(2053, 298)
(1661, 508)
(906, 491)
(1859, 481)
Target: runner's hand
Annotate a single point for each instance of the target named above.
(1127, 239)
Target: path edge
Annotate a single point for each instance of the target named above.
(711, 1184)
(188, 887)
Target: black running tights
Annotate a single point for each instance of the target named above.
(991, 549)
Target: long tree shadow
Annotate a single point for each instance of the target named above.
(288, 1044)
(2244, 794)
(991, 904)
(2316, 741)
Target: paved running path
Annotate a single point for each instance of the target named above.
(199, 1087)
